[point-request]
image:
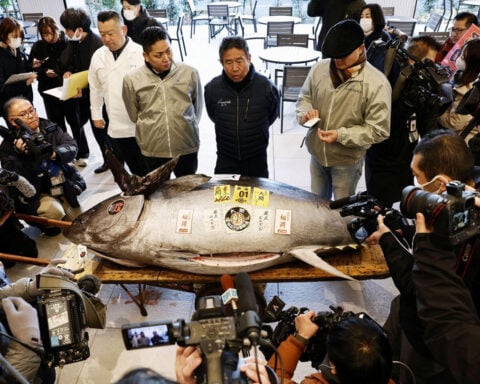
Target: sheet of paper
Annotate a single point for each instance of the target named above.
(70, 86)
(18, 77)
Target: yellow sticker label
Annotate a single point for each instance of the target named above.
(261, 197)
(221, 194)
(241, 194)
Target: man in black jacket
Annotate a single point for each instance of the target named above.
(40, 151)
(243, 104)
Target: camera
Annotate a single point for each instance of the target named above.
(219, 337)
(316, 348)
(367, 209)
(452, 214)
(37, 146)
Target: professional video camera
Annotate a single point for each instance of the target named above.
(65, 310)
(219, 337)
(316, 348)
(37, 146)
(418, 87)
(452, 214)
(367, 209)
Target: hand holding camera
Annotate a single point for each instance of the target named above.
(22, 319)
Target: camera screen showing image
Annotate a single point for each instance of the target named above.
(146, 335)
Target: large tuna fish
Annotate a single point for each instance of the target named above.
(205, 225)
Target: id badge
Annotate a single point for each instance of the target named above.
(56, 191)
(57, 180)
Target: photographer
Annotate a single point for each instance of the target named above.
(21, 319)
(357, 350)
(40, 151)
(439, 157)
(445, 305)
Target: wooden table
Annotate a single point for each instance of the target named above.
(362, 264)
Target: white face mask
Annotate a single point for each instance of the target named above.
(129, 14)
(366, 24)
(76, 36)
(460, 64)
(15, 42)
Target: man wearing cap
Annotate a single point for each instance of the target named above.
(352, 99)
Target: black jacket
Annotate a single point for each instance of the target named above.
(36, 171)
(42, 50)
(136, 26)
(242, 116)
(452, 325)
(76, 56)
(11, 64)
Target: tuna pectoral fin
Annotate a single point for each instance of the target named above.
(308, 255)
(135, 185)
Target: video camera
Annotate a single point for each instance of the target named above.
(367, 209)
(219, 337)
(37, 146)
(419, 85)
(65, 310)
(317, 345)
(452, 214)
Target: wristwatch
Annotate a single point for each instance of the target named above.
(302, 339)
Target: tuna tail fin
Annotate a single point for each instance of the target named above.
(136, 185)
(307, 255)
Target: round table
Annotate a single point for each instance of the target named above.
(269, 19)
(231, 4)
(289, 55)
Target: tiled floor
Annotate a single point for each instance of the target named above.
(287, 162)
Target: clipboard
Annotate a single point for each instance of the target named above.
(15, 78)
(70, 86)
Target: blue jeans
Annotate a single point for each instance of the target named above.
(341, 180)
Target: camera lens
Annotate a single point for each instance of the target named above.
(416, 200)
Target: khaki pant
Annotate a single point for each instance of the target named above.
(56, 209)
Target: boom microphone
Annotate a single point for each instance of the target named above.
(230, 295)
(248, 323)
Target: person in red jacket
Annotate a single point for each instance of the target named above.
(357, 350)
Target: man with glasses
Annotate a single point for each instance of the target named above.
(461, 23)
(40, 151)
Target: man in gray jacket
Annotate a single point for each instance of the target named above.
(352, 99)
(165, 100)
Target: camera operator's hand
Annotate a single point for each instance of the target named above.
(249, 368)
(187, 360)
(22, 319)
(420, 225)
(51, 269)
(20, 146)
(304, 325)
(374, 238)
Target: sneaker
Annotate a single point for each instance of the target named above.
(103, 168)
(82, 162)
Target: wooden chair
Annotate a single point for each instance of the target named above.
(196, 16)
(388, 11)
(434, 22)
(30, 31)
(161, 13)
(280, 11)
(407, 27)
(275, 28)
(219, 19)
(439, 36)
(179, 36)
(293, 79)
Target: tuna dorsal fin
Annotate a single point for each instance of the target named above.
(307, 255)
(136, 185)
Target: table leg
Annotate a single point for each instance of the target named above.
(140, 301)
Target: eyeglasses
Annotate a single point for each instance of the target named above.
(28, 113)
(458, 30)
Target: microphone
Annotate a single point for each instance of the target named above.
(248, 323)
(24, 126)
(230, 295)
(361, 196)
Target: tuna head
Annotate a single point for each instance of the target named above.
(107, 223)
